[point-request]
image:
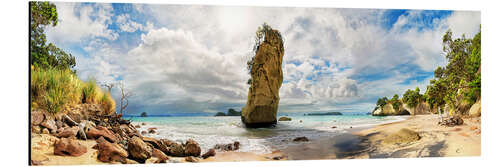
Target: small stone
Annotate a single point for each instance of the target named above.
(209, 153)
(301, 139)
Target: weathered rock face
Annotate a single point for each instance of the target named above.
(263, 95)
(388, 109)
(421, 109)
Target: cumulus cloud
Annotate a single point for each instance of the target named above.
(194, 57)
(78, 21)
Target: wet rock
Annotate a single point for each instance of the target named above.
(144, 123)
(191, 159)
(70, 147)
(209, 153)
(192, 148)
(99, 131)
(333, 127)
(152, 130)
(138, 149)
(266, 78)
(285, 119)
(144, 132)
(37, 117)
(176, 150)
(68, 132)
(137, 126)
(228, 147)
(111, 152)
(50, 124)
(301, 139)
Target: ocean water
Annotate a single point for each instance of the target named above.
(210, 130)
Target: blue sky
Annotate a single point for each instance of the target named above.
(192, 59)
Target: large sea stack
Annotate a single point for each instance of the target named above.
(266, 78)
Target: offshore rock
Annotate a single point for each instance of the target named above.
(266, 79)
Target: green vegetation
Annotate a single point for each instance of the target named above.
(53, 83)
(412, 98)
(45, 55)
(458, 84)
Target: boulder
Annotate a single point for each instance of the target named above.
(266, 79)
(475, 110)
(139, 150)
(162, 157)
(45, 131)
(403, 136)
(75, 117)
(37, 117)
(66, 119)
(36, 129)
(68, 132)
(301, 139)
(192, 148)
(111, 152)
(99, 131)
(209, 153)
(66, 146)
(49, 124)
(285, 119)
(176, 150)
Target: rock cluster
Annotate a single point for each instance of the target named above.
(266, 79)
(118, 141)
(228, 147)
(452, 121)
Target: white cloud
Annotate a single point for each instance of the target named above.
(78, 22)
(196, 55)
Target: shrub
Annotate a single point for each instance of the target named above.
(52, 88)
(89, 92)
(108, 103)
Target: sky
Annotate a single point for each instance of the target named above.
(179, 59)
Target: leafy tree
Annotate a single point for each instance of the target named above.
(382, 101)
(412, 98)
(43, 55)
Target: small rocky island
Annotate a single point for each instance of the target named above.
(266, 79)
(230, 112)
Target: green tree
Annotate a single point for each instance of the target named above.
(412, 98)
(43, 55)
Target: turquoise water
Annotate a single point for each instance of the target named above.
(210, 130)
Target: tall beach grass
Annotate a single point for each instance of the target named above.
(54, 89)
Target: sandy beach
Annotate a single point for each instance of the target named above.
(435, 141)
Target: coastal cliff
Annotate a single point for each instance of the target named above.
(266, 79)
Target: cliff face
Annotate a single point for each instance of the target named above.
(266, 73)
(388, 109)
(421, 109)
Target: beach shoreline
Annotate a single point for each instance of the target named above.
(356, 143)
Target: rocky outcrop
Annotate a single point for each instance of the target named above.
(388, 110)
(37, 118)
(66, 146)
(475, 110)
(285, 119)
(301, 139)
(421, 109)
(68, 132)
(266, 79)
